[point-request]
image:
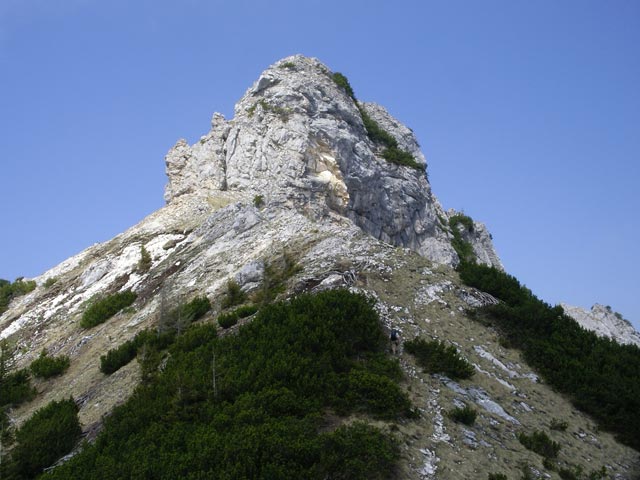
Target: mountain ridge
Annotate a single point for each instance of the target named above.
(295, 176)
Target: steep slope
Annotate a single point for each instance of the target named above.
(296, 175)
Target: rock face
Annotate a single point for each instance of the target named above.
(293, 176)
(298, 139)
(605, 322)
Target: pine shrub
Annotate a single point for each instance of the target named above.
(466, 415)
(48, 435)
(436, 357)
(540, 443)
(46, 367)
(103, 309)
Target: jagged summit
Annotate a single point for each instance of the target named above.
(298, 139)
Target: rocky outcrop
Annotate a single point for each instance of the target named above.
(605, 322)
(298, 139)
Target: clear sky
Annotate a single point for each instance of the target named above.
(528, 113)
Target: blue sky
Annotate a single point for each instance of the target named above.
(528, 114)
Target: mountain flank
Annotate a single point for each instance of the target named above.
(308, 200)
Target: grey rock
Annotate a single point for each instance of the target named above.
(605, 322)
(298, 140)
(252, 272)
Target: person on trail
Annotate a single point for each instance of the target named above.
(395, 340)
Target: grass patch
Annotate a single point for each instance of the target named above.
(103, 309)
(436, 357)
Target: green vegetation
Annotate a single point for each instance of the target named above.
(258, 201)
(463, 248)
(375, 132)
(288, 65)
(343, 83)
(46, 367)
(497, 476)
(281, 112)
(180, 317)
(233, 296)
(276, 273)
(559, 425)
(9, 291)
(117, 358)
(466, 415)
(599, 375)
(103, 309)
(175, 322)
(15, 387)
(144, 264)
(253, 405)
(392, 152)
(540, 443)
(400, 157)
(148, 341)
(48, 435)
(436, 357)
(229, 319)
(50, 282)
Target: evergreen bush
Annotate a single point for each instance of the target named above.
(103, 309)
(9, 291)
(234, 295)
(48, 435)
(229, 319)
(540, 443)
(144, 264)
(466, 415)
(45, 366)
(252, 405)
(436, 357)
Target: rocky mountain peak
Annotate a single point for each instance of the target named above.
(305, 189)
(298, 139)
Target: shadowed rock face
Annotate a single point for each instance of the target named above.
(298, 139)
